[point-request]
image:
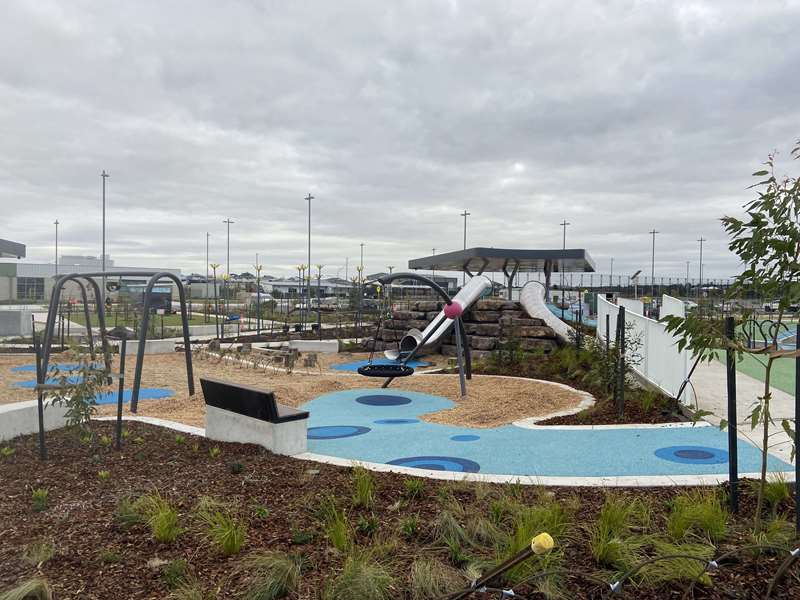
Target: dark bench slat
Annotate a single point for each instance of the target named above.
(248, 401)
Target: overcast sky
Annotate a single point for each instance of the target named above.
(616, 116)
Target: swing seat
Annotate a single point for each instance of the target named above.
(377, 370)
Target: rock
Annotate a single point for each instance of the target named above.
(417, 324)
(514, 314)
(485, 316)
(405, 315)
(482, 343)
(431, 315)
(396, 325)
(450, 350)
(496, 304)
(507, 321)
(426, 305)
(482, 329)
(532, 332)
(537, 344)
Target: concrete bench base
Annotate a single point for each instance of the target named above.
(150, 346)
(281, 438)
(322, 346)
(22, 418)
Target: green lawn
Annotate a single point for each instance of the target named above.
(783, 371)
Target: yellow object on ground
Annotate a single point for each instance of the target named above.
(542, 543)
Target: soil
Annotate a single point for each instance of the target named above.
(96, 557)
(491, 401)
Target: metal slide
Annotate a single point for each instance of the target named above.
(532, 299)
(440, 324)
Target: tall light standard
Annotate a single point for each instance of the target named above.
(104, 176)
(563, 224)
(258, 268)
(700, 282)
(653, 264)
(687, 280)
(346, 268)
(225, 287)
(308, 199)
(611, 275)
(433, 269)
(208, 235)
(465, 214)
(56, 224)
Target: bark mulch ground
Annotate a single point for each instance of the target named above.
(278, 498)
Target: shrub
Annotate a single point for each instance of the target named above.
(363, 487)
(367, 525)
(272, 575)
(214, 452)
(409, 526)
(413, 488)
(104, 475)
(6, 451)
(39, 552)
(361, 578)
(39, 497)
(161, 518)
(223, 529)
(236, 468)
(180, 439)
(33, 589)
(174, 573)
(433, 579)
(698, 510)
(106, 440)
(261, 511)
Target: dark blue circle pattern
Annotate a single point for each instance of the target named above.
(465, 438)
(395, 421)
(383, 400)
(332, 432)
(693, 455)
(438, 463)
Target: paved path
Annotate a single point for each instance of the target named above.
(711, 388)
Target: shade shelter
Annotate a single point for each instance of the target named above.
(509, 261)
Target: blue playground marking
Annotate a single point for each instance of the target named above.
(70, 380)
(144, 394)
(512, 450)
(438, 463)
(383, 400)
(693, 455)
(353, 366)
(395, 421)
(335, 432)
(465, 438)
(65, 367)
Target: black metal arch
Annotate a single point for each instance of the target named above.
(55, 298)
(386, 279)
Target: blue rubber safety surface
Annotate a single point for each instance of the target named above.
(353, 366)
(340, 425)
(571, 315)
(64, 367)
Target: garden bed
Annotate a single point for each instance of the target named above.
(397, 534)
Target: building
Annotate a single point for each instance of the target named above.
(410, 287)
(23, 282)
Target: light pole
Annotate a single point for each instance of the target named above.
(258, 268)
(611, 275)
(563, 224)
(346, 267)
(653, 264)
(225, 284)
(433, 269)
(319, 300)
(104, 176)
(687, 280)
(361, 264)
(308, 199)
(56, 224)
(465, 214)
(700, 282)
(208, 235)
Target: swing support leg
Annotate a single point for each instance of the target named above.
(460, 359)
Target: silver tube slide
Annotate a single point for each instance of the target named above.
(466, 297)
(532, 299)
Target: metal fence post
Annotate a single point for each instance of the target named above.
(40, 379)
(121, 390)
(621, 367)
(796, 421)
(733, 458)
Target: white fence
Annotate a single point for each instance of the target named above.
(660, 362)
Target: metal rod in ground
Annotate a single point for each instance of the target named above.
(39, 394)
(460, 359)
(121, 390)
(733, 460)
(608, 343)
(512, 562)
(796, 423)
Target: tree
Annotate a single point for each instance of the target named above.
(767, 240)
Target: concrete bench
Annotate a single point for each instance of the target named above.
(248, 415)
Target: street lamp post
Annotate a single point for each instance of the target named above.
(308, 199)
(687, 280)
(104, 176)
(433, 269)
(319, 299)
(611, 275)
(56, 224)
(653, 264)
(226, 280)
(700, 281)
(465, 214)
(208, 235)
(563, 224)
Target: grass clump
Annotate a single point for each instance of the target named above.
(699, 512)
(126, 514)
(214, 452)
(667, 570)
(431, 579)
(109, 556)
(6, 451)
(159, 515)
(104, 475)
(409, 526)
(335, 525)
(272, 575)
(39, 552)
(33, 589)
(39, 499)
(363, 488)
(613, 537)
(414, 488)
(223, 529)
(447, 528)
(361, 577)
(236, 468)
(367, 525)
(190, 589)
(776, 491)
(174, 573)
